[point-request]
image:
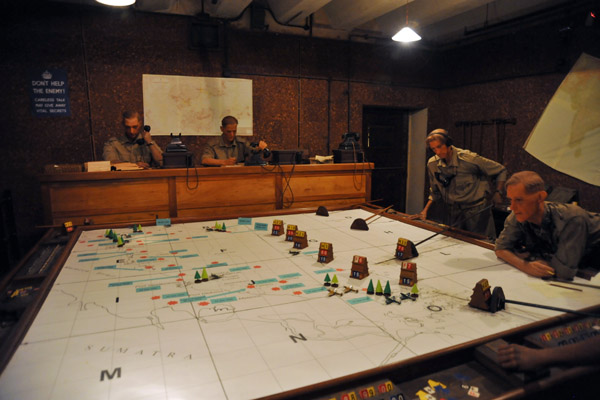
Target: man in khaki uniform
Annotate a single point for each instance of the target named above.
(543, 238)
(228, 149)
(133, 146)
(460, 178)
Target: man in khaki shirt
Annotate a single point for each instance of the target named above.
(543, 238)
(133, 146)
(228, 149)
(460, 178)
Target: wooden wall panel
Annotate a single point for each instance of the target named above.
(142, 195)
(226, 191)
(308, 187)
(114, 198)
(299, 203)
(225, 211)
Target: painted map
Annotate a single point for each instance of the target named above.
(133, 322)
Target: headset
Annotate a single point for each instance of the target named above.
(444, 134)
(442, 178)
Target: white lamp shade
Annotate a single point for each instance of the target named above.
(406, 35)
(118, 3)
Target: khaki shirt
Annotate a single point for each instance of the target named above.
(465, 177)
(124, 150)
(567, 235)
(217, 148)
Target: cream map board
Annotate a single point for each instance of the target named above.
(567, 136)
(193, 105)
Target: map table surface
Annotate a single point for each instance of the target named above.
(131, 322)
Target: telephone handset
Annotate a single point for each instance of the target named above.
(141, 140)
(351, 136)
(350, 141)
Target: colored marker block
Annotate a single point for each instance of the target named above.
(261, 226)
(163, 221)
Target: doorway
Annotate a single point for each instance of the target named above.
(385, 143)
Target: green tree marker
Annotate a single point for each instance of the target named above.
(327, 280)
(334, 281)
(378, 289)
(204, 275)
(223, 227)
(387, 291)
(370, 289)
(414, 291)
(197, 277)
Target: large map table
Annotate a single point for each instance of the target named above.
(131, 322)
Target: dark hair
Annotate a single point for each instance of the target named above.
(229, 120)
(131, 114)
(531, 180)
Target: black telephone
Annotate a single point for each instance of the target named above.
(257, 157)
(176, 144)
(176, 154)
(141, 140)
(266, 152)
(350, 141)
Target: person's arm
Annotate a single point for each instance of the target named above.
(209, 157)
(497, 198)
(423, 214)
(519, 357)
(155, 151)
(217, 162)
(506, 245)
(434, 194)
(249, 150)
(262, 145)
(493, 170)
(538, 268)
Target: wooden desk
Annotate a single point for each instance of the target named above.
(122, 196)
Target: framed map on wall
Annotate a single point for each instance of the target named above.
(193, 105)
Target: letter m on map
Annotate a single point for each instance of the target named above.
(116, 371)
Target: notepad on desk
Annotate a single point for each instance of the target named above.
(126, 166)
(97, 166)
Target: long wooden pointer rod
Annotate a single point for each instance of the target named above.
(442, 231)
(379, 212)
(522, 303)
(554, 279)
(361, 224)
(454, 225)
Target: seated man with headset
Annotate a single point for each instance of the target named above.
(460, 178)
(133, 146)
